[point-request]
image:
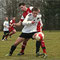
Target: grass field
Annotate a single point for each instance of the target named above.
(52, 41)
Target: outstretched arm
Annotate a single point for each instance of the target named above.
(18, 24)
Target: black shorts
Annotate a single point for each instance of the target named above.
(6, 32)
(27, 35)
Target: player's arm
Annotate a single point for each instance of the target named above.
(18, 24)
(26, 21)
(11, 23)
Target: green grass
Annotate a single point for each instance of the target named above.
(52, 41)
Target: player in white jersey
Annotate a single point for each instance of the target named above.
(5, 29)
(31, 22)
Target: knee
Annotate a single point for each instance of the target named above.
(16, 44)
(15, 31)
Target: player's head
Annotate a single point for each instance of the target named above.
(14, 18)
(35, 11)
(22, 6)
(6, 18)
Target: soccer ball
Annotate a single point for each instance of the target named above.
(39, 36)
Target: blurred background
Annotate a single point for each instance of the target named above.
(50, 10)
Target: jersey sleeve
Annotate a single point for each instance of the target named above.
(41, 20)
(31, 7)
(22, 18)
(39, 17)
(26, 22)
(11, 21)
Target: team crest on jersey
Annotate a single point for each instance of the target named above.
(38, 18)
(29, 15)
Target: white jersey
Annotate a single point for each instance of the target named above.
(6, 26)
(29, 27)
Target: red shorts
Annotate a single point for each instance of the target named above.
(11, 29)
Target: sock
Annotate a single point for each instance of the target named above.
(3, 37)
(13, 47)
(43, 46)
(38, 43)
(23, 47)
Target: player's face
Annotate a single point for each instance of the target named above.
(35, 13)
(14, 18)
(23, 7)
(6, 18)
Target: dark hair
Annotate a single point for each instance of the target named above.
(21, 4)
(35, 9)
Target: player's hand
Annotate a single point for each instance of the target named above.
(33, 22)
(14, 24)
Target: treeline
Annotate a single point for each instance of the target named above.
(50, 10)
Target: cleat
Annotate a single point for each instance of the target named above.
(19, 54)
(38, 54)
(5, 39)
(2, 39)
(44, 56)
(8, 55)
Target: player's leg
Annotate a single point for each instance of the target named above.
(12, 32)
(23, 47)
(13, 47)
(38, 44)
(4, 36)
(27, 36)
(7, 34)
(43, 48)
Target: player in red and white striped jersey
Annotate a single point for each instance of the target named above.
(12, 30)
(26, 11)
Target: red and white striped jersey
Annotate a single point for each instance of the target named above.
(12, 22)
(29, 10)
(29, 27)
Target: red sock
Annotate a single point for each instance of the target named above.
(23, 47)
(43, 46)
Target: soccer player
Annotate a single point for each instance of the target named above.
(36, 26)
(32, 24)
(6, 29)
(25, 10)
(12, 30)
